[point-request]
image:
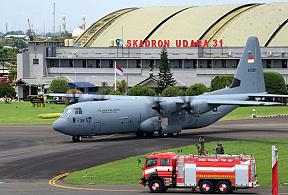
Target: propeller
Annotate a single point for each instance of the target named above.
(156, 106)
(73, 100)
(187, 104)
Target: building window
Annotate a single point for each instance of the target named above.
(223, 63)
(97, 63)
(110, 63)
(209, 64)
(138, 63)
(84, 63)
(35, 61)
(269, 62)
(179, 63)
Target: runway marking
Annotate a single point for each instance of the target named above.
(29, 151)
(52, 183)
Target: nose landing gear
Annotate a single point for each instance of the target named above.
(77, 138)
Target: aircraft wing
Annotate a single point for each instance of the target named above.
(242, 103)
(62, 95)
(267, 95)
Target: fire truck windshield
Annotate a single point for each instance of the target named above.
(151, 162)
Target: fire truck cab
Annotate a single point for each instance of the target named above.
(210, 173)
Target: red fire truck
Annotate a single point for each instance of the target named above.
(210, 173)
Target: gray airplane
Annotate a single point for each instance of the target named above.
(102, 115)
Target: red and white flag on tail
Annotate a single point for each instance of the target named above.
(250, 59)
(119, 70)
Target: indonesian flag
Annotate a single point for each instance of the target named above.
(250, 59)
(119, 70)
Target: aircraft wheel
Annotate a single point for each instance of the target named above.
(223, 187)
(206, 187)
(164, 135)
(74, 138)
(79, 138)
(149, 133)
(139, 134)
(174, 134)
(156, 186)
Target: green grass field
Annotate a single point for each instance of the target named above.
(21, 113)
(129, 172)
(246, 112)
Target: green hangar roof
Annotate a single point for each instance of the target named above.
(231, 23)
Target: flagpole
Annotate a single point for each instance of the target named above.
(115, 75)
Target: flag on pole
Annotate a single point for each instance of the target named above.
(119, 70)
(274, 171)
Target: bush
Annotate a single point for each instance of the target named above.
(196, 89)
(71, 91)
(8, 90)
(274, 83)
(171, 91)
(59, 86)
(49, 115)
(219, 82)
(138, 90)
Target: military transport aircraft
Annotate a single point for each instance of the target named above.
(102, 115)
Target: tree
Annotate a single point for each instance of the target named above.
(59, 86)
(105, 89)
(196, 89)
(7, 90)
(121, 88)
(71, 91)
(138, 90)
(171, 91)
(274, 83)
(219, 82)
(165, 75)
(12, 75)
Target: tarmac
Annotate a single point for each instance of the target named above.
(33, 158)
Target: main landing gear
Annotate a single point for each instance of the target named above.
(150, 134)
(77, 138)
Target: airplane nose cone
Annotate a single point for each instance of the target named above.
(58, 126)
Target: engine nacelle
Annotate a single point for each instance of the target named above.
(85, 98)
(169, 107)
(151, 124)
(201, 107)
(171, 129)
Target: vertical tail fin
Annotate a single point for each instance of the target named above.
(249, 74)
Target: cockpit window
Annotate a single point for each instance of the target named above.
(77, 110)
(68, 111)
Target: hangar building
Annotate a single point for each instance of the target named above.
(222, 30)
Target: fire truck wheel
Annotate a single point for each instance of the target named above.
(206, 187)
(223, 187)
(156, 186)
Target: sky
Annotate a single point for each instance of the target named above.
(15, 13)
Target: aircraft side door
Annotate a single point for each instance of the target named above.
(96, 128)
